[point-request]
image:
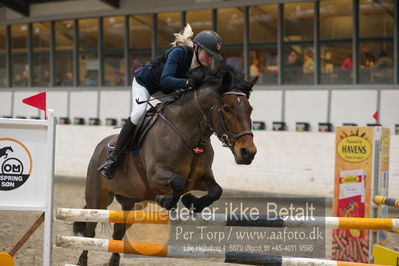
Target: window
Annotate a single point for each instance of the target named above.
(230, 25)
(168, 23)
(336, 62)
(230, 28)
(298, 21)
(140, 31)
(88, 67)
(140, 42)
(199, 20)
(376, 62)
(233, 56)
(20, 70)
(114, 69)
(298, 54)
(263, 23)
(336, 19)
(88, 34)
(114, 64)
(64, 69)
(263, 31)
(3, 39)
(264, 64)
(19, 62)
(376, 18)
(88, 56)
(64, 35)
(3, 52)
(376, 24)
(41, 51)
(114, 32)
(41, 36)
(298, 64)
(63, 52)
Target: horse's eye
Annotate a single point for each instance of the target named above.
(226, 109)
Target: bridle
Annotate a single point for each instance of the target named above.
(227, 138)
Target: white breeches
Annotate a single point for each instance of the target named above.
(138, 110)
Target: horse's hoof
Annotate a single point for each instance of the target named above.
(160, 199)
(82, 261)
(166, 202)
(114, 260)
(170, 204)
(188, 201)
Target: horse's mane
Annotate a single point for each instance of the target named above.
(202, 76)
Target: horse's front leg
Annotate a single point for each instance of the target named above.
(176, 184)
(214, 192)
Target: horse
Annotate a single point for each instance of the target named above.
(5, 151)
(175, 153)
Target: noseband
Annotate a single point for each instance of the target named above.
(227, 138)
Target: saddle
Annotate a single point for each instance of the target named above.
(143, 127)
(136, 141)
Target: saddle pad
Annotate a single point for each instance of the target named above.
(143, 127)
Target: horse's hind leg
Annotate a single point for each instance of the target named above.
(120, 228)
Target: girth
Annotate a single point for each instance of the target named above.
(196, 149)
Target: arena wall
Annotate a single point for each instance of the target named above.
(287, 162)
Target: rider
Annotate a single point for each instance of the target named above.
(165, 74)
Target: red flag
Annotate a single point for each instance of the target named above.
(375, 116)
(38, 101)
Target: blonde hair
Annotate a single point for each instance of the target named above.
(184, 37)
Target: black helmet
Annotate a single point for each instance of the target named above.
(210, 41)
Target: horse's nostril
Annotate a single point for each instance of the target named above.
(244, 153)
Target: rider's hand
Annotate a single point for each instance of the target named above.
(189, 84)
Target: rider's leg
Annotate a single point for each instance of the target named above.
(138, 111)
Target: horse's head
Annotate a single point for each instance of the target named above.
(231, 115)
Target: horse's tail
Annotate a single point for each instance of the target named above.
(79, 227)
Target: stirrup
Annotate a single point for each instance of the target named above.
(108, 168)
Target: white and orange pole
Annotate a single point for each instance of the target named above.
(175, 218)
(161, 250)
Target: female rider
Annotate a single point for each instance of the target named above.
(165, 74)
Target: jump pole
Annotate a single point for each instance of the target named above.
(161, 250)
(381, 200)
(141, 217)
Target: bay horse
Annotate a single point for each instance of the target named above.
(176, 154)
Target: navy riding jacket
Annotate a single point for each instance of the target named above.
(173, 74)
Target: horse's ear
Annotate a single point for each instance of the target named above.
(252, 82)
(226, 81)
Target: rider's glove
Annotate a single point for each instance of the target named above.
(189, 84)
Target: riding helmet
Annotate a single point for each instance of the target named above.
(210, 41)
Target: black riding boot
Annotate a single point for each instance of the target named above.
(110, 164)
